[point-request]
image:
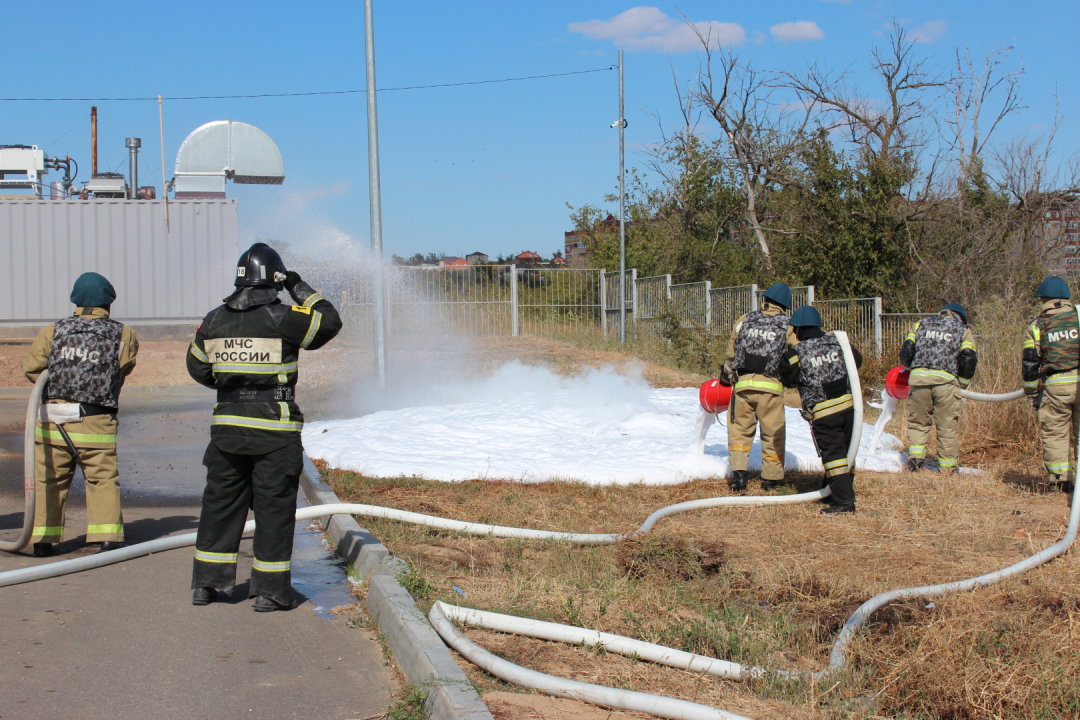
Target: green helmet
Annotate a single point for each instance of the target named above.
(958, 309)
(780, 294)
(1053, 288)
(805, 316)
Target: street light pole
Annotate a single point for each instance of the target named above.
(375, 200)
(622, 208)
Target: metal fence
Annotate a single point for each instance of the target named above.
(611, 298)
(895, 327)
(550, 301)
(859, 317)
(691, 304)
(511, 300)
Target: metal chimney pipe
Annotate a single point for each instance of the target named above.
(93, 141)
(133, 145)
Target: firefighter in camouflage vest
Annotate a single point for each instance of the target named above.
(940, 352)
(247, 349)
(757, 344)
(817, 368)
(88, 355)
(1049, 364)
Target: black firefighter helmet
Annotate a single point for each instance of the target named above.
(260, 266)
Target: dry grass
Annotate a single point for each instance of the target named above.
(768, 587)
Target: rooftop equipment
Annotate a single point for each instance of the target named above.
(222, 150)
(21, 168)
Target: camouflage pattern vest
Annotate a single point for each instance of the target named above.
(84, 364)
(937, 343)
(822, 371)
(1059, 343)
(760, 345)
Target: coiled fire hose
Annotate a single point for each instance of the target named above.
(29, 467)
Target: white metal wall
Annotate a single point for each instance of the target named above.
(173, 274)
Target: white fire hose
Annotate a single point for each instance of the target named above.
(29, 467)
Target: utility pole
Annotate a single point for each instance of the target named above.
(379, 304)
(622, 208)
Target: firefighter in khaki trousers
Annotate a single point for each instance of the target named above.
(1049, 363)
(753, 366)
(940, 352)
(88, 355)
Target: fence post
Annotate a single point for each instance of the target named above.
(809, 294)
(514, 323)
(667, 282)
(603, 301)
(753, 297)
(708, 306)
(877, 325)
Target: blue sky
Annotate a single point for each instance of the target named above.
(486, 167)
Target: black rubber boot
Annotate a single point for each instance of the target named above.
(770, 484)
(43, 549)
(833, 509)
(265, 604)
(111, 545)
(737, 481)
(915, 464)
(203, 596)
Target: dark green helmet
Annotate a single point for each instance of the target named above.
(779, 294)
(805, 316)
(958, 309)
(1053, 288)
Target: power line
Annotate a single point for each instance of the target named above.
(309, 94)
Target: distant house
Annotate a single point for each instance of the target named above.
(477, 258)
(575, 243)
(453, 263)
(528, 259)
(558, 261)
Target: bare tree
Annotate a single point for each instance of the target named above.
(910, 87)
(764, 136)
(972, 88)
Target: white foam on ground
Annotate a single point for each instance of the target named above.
(530, 425)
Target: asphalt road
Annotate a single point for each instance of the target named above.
(124, 641)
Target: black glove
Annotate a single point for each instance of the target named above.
(291, 278)
(1035, 401)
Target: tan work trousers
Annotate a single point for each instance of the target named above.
(748, 409)
(1058, 419)
(929, 404)
(55, 471)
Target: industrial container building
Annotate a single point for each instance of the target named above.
(163, 274)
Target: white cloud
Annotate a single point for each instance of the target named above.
(649, 28)
(930, 31)
(799, 31)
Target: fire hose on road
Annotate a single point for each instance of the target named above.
(442, 614)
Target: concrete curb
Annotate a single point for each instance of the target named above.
(418, 649)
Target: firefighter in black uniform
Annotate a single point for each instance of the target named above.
(816, 367)
(247, 350)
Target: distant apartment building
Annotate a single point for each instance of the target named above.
(477, 258)
(1059, 239)
(576, 243)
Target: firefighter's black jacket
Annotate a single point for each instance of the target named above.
(250, 357)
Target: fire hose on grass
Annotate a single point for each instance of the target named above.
(442, 614)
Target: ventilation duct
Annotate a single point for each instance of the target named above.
(225, 149)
